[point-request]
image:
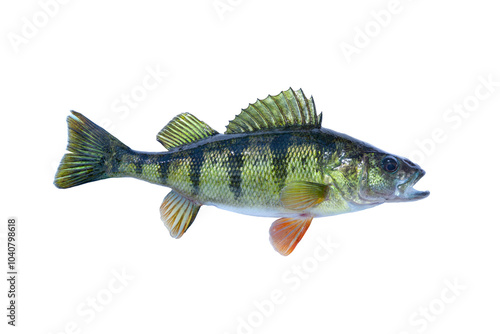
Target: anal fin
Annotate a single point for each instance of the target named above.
(178, 213)
(285, 233)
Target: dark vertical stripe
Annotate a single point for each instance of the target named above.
(197, 159)
(115, 160)
(117, 155)
(138, 166)
(279, 147)
(234, 164)
(163, 171)
(138, 161)
(319, 155)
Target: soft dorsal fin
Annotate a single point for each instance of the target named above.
(288, 109)
(184, 129)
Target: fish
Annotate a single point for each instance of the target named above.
(274, 160)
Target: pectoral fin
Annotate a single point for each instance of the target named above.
(303, 195)
(178, 213)
(285, 233)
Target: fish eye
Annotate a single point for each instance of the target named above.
(390, 164)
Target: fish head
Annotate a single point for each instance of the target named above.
(389, 178)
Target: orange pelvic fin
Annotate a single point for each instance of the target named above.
(285, 233)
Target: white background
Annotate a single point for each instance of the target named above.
(393, 263)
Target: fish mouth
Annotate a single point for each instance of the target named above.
(405, 191)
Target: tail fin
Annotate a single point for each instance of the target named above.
(93, 151)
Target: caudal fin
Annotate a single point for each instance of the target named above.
(92, 153)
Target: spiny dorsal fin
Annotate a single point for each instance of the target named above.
(288, 109)
(184, 129)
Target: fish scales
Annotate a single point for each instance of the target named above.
(238, 171)
(274, 160)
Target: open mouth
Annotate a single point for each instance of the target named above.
(406, 192)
